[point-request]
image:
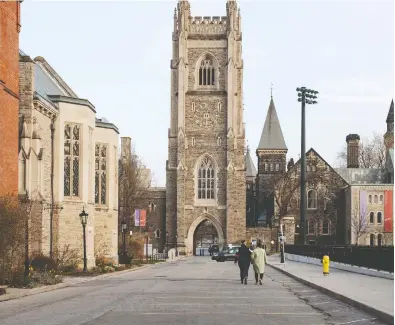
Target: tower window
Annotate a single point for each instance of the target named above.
(277, 167)
(193, 107)
(206, 180)
(219, 141)
(206, 73)
(193, 141)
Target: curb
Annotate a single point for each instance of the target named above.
(383, 316)
(35, 291)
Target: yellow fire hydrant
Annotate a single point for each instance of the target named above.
(325, 265)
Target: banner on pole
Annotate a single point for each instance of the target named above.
(137, 218)
(143, 215)
(388, 211)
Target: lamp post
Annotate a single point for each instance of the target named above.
(167, 241)
(306, 96)
(123, 228)
(84, 219)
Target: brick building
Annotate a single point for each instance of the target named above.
(9, 95)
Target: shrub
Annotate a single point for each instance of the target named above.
(68, 259)
(42, 262)
(3, 291)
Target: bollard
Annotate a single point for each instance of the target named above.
(325, 265)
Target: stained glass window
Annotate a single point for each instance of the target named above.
(206, 180)
(72, 135)
(101, 173)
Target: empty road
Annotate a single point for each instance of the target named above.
(189, 291)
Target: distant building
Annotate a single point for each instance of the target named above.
(68, 161)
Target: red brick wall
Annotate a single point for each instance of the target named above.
(9, 96)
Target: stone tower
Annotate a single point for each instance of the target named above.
(205, 167)
(271, 152)
(389, 135)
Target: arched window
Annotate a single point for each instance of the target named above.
(379, 217)
(308, 168)
(371, 239)
(207, 73)
(312, 199)
(325, 227)
(313, 168)
(206, 180)
(266, 165)
(371, 217)
(100, 173)
(277, 167)
(271, 167)
(379, 240)
(72, 134)
(157, 233)
(381, 199)
(376, 199)
(370, 199)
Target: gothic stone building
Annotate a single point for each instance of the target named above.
(68, 161)
(205, 167)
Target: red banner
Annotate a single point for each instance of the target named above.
(143, 215)
(388, 211)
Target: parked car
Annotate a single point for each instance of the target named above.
(226, 255)
(213, 249)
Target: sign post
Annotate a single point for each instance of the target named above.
(282, 243)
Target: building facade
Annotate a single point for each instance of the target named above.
(9, 96)
(68, 161)
(206, 164)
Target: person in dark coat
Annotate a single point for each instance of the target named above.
(243, 258)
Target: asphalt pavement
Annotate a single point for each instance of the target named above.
(192, 290)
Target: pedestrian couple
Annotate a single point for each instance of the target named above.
(258, 259)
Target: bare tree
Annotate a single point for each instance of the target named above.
(359, 222)
(372, 153)
(387, 238)
(134, 182)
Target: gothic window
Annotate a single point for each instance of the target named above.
(72, 154)
(372, 239)
(379, 240)
(313, 168)
(379, 217)
(371, 217)
(271, 167)
(311, 227)
(381, 199)
(100, 174)
(325, 227)
(157, 233)
(277, 167)
(207, 75)
(370, 199)
(206, 180)
(266, 167)
(308, 168)
(376, 199)
(312, 199)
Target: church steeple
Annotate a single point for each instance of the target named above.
(272, 135)
(389, 135)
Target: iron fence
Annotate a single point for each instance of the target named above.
(377, 258)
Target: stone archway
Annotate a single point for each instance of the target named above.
(189, 244)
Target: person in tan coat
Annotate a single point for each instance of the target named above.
(259, 260)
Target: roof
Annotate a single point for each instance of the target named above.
(272, 135)
(250, 166)
(355, 176)
(390, 116)
(390, 159)
(44, 85)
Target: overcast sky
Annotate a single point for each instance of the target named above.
(117, 55)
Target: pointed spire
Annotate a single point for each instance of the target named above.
(272, 135)
(390, 117)
(250, 166)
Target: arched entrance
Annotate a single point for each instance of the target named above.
(201, 229)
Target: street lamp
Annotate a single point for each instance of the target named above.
(123, 228)
(84, 220)
(306, 96)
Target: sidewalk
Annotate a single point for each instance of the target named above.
(372, 294)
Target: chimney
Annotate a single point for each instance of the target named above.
(126, 148)
(353, 150)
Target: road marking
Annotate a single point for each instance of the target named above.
(356, 321)
(225, 313)
(227, 297)
(324, 302)
(222, 304)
